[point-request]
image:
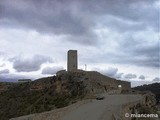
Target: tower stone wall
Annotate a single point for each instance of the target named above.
(72, 63)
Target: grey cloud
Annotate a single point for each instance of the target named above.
(29, 64)
(142, 77)
(121, 25)
(5, 71)
(51, 70)
(2, 65)
(126, 10)
(156, 79)
(77, 19)
(2, 55)
(129, 56)
(133, 51)
(119, 75)
(147, 55)
(130, 76)
(111, 72)
(49, 16)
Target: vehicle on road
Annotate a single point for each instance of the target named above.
(99, 97)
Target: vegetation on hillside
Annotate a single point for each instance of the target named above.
(20, 99)
(141, 109)
(154, 88)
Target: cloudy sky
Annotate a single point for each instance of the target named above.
(118, 38)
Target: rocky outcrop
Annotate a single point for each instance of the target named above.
(4, 86)
(42, 83)
(147, 102)
(95, 82)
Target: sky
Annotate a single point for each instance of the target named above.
(119, 38)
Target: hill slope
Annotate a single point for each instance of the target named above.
(44, 94)
(154, 88)
(38, 96)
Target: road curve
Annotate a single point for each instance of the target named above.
(101, 109)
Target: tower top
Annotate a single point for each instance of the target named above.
(72, 50)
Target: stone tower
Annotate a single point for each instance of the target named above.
(72, 60)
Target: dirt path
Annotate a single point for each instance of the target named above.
(101, 109)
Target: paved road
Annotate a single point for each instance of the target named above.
(101, 109)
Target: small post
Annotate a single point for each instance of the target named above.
(85, 67)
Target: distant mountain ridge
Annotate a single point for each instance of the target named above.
(154, 88)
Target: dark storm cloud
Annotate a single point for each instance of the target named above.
(50, 16)
(130, 76)
(51, 70)
(78, 18)
(142, 77)
(5, 71)
(29, 64)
